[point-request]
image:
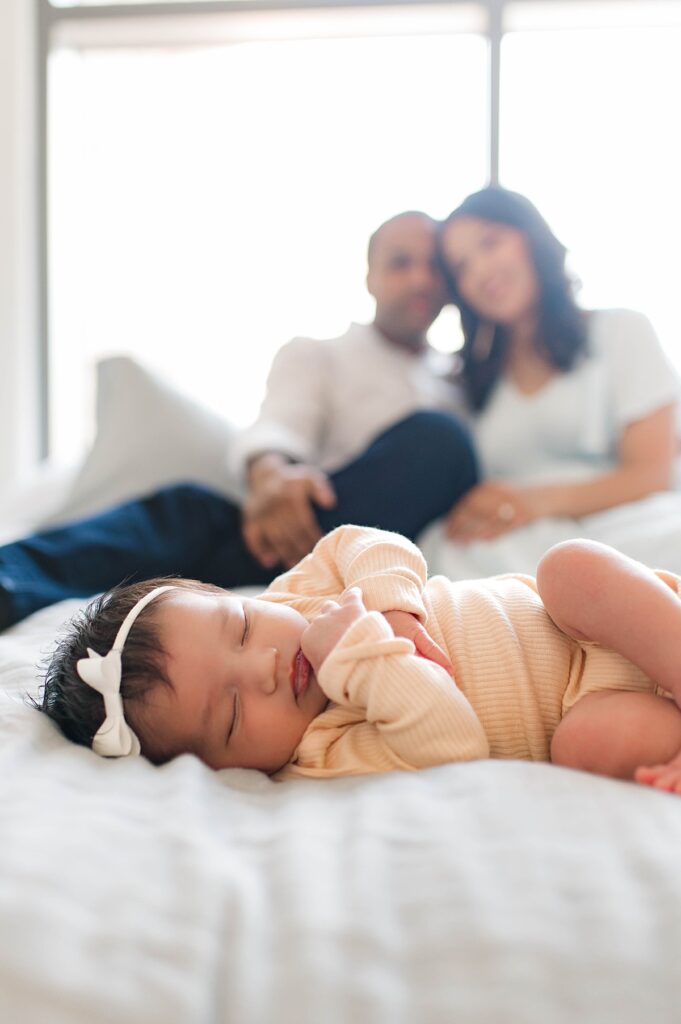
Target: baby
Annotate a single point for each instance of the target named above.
(354, 662)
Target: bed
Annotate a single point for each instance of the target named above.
(483, 893)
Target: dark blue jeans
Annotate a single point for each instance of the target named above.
(409, 476)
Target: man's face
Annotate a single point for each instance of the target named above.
(404, 278)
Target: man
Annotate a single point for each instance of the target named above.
(357, 429)
(327, 401)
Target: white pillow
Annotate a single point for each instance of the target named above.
(148, 435)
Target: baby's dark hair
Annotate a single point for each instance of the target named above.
(77, 708)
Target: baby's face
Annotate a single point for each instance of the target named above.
(242, 692)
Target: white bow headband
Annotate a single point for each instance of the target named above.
(114, 738)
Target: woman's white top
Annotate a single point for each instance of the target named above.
(570, 429)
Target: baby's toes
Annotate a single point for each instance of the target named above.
(660, 776)
(674, 780)
(667, 780)
(647, 775)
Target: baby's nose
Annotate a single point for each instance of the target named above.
(267, 670)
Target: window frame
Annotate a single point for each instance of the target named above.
(50, 18)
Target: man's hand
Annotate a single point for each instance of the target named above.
(406, 624)
(279, 524)
(489, 510)
(334, 619)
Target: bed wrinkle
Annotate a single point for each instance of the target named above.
(486, 891)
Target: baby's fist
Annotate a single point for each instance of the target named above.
(326, 630)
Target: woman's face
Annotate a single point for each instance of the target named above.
(493, 269)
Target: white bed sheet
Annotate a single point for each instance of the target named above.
(486, 893)
(648, 530)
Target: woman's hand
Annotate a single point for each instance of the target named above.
(325, 631)
(491, 509)
(645, 458)
(407, 625)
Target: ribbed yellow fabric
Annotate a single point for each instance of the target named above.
(516, 672)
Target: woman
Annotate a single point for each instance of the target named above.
(573, 411)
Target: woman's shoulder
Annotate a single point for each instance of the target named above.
(629, 355)
(619, 327)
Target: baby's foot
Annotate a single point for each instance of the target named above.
(661, 776)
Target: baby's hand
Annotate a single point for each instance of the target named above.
(406, 624)
(324, 632)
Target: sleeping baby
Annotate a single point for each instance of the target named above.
(354, 661)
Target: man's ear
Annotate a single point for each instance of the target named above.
(369, 284)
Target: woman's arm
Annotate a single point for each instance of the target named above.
(646, 456)
(646, 453)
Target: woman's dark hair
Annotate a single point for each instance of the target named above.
(77, 708)
(561, 336)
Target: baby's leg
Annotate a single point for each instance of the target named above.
(595, 593)
(614, 733)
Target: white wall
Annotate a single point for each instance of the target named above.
(18, 291)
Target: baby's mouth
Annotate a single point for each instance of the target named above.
(300, 675)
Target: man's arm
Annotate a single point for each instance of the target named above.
(291, 415)
(277, 457)
(279, 523)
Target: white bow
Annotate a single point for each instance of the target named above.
(114, 738)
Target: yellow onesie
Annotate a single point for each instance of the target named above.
(516, 673)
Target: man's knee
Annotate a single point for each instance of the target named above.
(188, 502)
(442, 438)
(184, 494)
(433, 423)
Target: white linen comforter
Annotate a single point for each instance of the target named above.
(484, 893)
(648, 530)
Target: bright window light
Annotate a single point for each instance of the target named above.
(589, 131)
(208, 203)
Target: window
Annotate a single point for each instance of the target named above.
(215, 170)
(210, 201)
(589, 113)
